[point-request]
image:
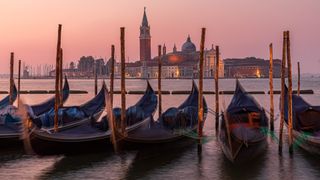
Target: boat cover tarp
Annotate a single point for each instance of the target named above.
(74, 113)
(41, 108)
(6, 101)
(186, 115)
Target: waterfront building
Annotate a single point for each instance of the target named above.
(251, 67)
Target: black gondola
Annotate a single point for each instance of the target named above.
(9, 131)
(242, 128)
(306, 123)
(176, 127)
(10, 126)
(92, 136)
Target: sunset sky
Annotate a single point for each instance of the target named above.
(241, 28)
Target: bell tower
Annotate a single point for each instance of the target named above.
(145, 39)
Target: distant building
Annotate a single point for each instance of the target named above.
(250, 67)
(176, 64)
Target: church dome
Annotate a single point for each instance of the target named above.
(188, 46)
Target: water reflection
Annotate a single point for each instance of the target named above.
(250, 170)
(150, 161)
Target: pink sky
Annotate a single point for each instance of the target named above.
(240, 27)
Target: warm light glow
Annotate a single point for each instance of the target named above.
(258, 73)
(177, 72)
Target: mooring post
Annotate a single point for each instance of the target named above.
(57, 96)
(298, 91)
(290, 94)
(110, 111)
(159, 81)
(271, 88)
(19, 77)
(123, 87)
(200, 97)
(11, 78)
(283, 75)
(95, 77)
(60, 77)
(112, 76)
(216, 80)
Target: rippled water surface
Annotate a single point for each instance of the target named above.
(170, 164)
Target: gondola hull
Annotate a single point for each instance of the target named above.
(10, 141)
(134, 141)
(246, 153)
(307, 143)
(97, 141)
(43, 146)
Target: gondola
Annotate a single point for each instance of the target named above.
(242, 128)
(92, 136)
(306, 123)
(176, 127)
(8, 129)
(10, 120)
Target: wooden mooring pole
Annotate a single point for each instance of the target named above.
(112, 76)
(11, 78)
(283, 75)
(95, 77)
(298, 91)
(159, 80)
(57, 96)
(216, 80)
(19, 76)
(113, 124)
(123, 87)
(200, 97)
(271, 88)
(60, 77)
(290, 94)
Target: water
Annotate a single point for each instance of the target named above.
(173, 164)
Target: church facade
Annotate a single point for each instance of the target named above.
(175, 64)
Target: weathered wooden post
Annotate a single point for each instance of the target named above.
(19, 76)
(57, 96)
(290, 94)
(11, 78)
(271, 88)
(159, 80)
(283, 75)
(60, 77)
(123, 85)
(298, 91)
(112, 76)
(95, 77)
(113, 124)
(216, 80)
(200, 97)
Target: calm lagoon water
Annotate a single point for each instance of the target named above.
(172, 164)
